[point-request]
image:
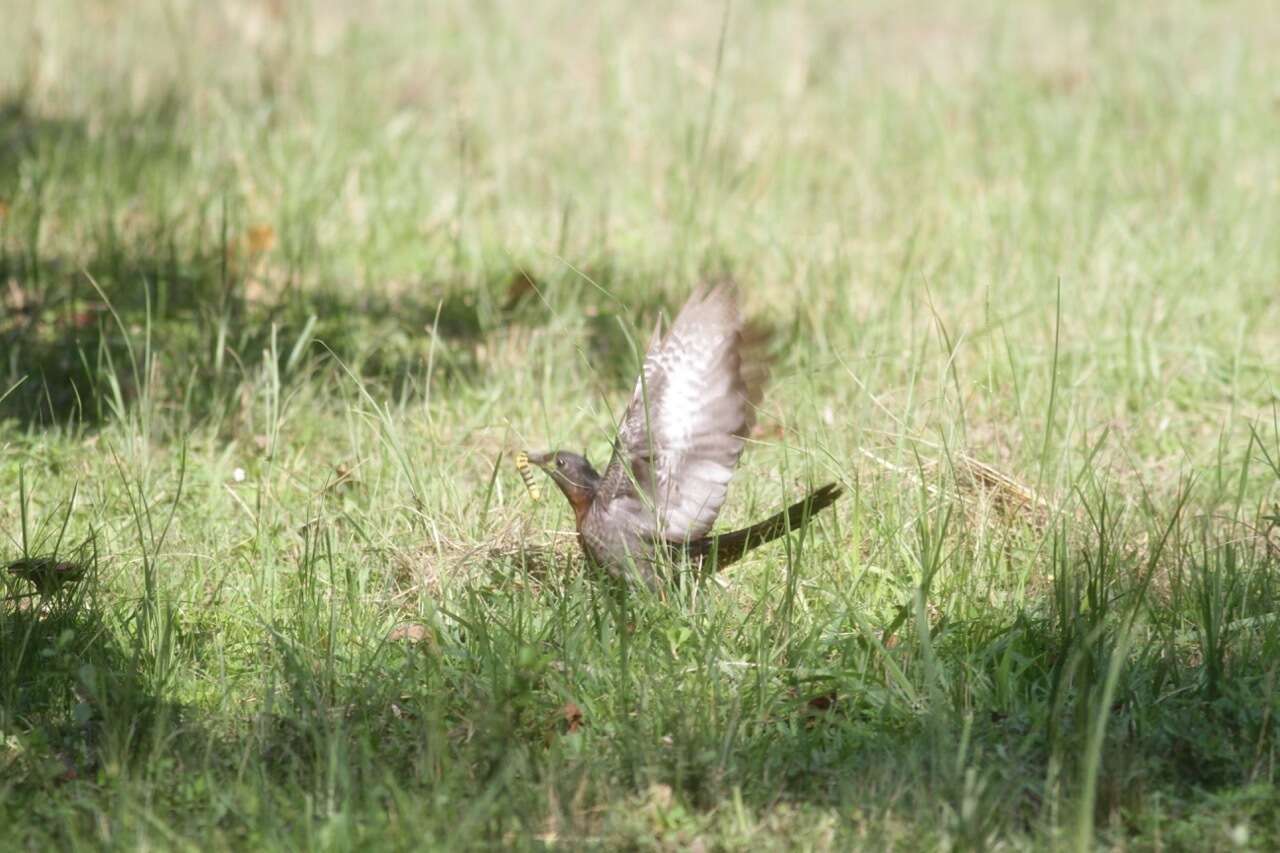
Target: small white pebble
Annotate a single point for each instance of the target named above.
(238, 475)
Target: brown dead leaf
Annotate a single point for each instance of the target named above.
(409, 632)
(1009, 496)
(521, 287)
(823, 703)
(244, 259)
(571, 717)
(16, 298)
(343, 478)
(260, 238)
(69, 772)
(817, 708)
(660, 796)
(257, 290)
(766, 430)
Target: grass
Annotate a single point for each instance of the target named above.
(283, 283)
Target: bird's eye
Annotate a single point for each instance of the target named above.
(559, 461)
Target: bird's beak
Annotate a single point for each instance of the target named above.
(542, 460)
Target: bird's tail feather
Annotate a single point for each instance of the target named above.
(728, 548)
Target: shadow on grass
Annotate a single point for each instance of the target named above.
(77, 326)
(541, 696)
(74, 696)
(196, 287)
(81, 353)
(81, 343)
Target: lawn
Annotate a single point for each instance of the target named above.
(284, 286)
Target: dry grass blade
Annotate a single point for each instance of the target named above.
(1008, 495)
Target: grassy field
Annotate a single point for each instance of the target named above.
(284, 284)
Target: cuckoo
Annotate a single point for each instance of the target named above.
(676, 449)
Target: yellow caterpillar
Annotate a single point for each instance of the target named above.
(526, 474)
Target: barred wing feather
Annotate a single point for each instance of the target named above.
(684, 429)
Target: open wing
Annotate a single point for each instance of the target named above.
(681, 436)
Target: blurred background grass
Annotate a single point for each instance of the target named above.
(281, 282)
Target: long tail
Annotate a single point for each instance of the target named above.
(728, 548)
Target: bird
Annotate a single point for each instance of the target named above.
(47, 574)
(676, 449)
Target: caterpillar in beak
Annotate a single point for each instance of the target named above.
(526, 474)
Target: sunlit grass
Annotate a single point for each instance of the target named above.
(283, 288)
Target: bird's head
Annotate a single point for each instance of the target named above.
(572, 473)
